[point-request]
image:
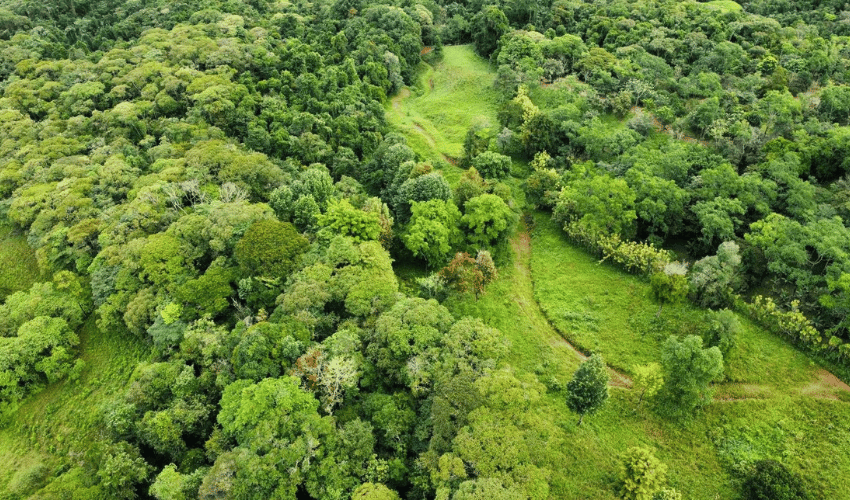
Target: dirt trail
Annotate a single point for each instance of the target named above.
(521, 245)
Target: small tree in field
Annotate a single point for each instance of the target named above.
(648, 380)
(588, 390)
(641, 474)
(670, 285)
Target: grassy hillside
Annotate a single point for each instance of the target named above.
(449, 97)
(775, 403)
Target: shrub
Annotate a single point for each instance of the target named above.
(770, 480)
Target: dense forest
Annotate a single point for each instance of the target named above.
(424, 249)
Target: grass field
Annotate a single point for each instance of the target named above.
(776, 402)
(447, 100)
(18, 266)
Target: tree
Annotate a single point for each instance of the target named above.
(670, 285)
(588, 390)
(426, 187)
(599, 204)
(492, 165)
(433, 230)
(465, 274)
(343, 219)
(688, 371)
(373, 491)
(722, 329)
(714, 278)
(770, 480)
(488, 220)
(647, 379)
(270, 248)
(641, 474)
(488, 27)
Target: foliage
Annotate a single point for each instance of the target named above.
(688, 370)
(647, 379)
(465, 274)
(492, 165)
(588, 390)
(487, 220)
(770, 479)
(433, 230)
(641, 474)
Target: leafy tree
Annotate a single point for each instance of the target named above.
(688, 371)
(647, 379)
(370, 491)
(426, 187)
(641, 474)
(713, 279)
(488, 220)
(471, 184)
(172, 485)
(772, 480)
(670, 285)
(599, 204)
(588, 390)
(492, 165)
(270, 248)
(722, 329)
(465, 274)
(343, 219)
(488, 26)
(433, 230)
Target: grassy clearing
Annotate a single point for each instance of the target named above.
(600, 308)
(18, 265)
(37, 437)
(774, 405)
(449, 97)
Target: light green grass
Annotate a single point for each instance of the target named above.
(601, 308)
(448, 99)
(63, 418)
(18, 265)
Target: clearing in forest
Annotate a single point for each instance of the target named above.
(449, 97)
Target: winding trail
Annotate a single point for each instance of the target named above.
(824, 386)
(521, 245)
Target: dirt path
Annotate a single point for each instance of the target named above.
(521, 245)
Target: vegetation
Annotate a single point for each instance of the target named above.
(353, 249)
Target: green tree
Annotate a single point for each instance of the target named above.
(599, 204)
(270, 248)
(722, 329)
(488, 220)
(641, 474)
(688, 371)
(373, 491)
(770, 480)
(343, 219)
(488, 26)
(588, 390)
(433, 230)
(647, 379)
(492, 165)
(670, 285)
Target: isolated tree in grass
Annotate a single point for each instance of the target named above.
(670, 285)
(641, 474)
(770, 480)
(588, 390)
(688, 371)
(722, 329)
(648, 380)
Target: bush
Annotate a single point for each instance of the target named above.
(492, 165)
(641, 474)
(770, 480)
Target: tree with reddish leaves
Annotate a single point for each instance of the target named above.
(465, 274)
